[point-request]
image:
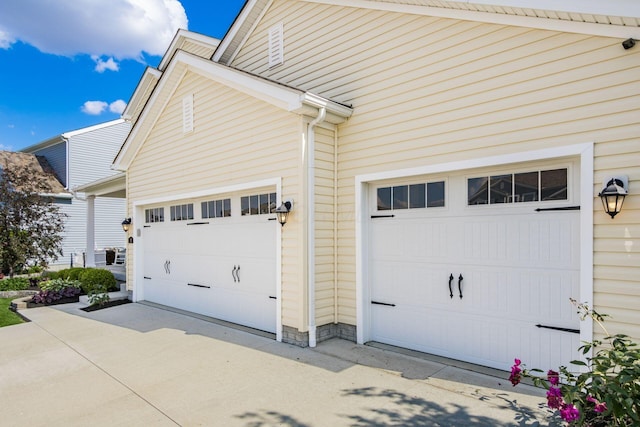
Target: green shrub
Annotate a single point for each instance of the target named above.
(50, 275)
(14, 284)
(59, 284)
(97, 280)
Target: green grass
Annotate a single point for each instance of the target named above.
(8, 317)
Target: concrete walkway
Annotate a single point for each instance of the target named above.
(136, 365)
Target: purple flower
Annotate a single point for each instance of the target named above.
(515, 373)
(600, 407)
(554, 398)
(569, 413)
(553, 377)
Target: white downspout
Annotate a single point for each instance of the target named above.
(311, 230)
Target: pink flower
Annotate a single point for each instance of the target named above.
(515, 373)
(553, 377)
(554, 398)
(569, 413)
(600, 407)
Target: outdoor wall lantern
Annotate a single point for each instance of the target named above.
(613, 194)
(126, 224)
(283, 210)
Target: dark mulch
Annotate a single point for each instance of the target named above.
(60, 301)
(107, 304)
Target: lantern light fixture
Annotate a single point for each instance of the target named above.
(126, 224)
(614, 191)
(283, 210)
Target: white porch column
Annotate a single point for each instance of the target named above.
(90, 255)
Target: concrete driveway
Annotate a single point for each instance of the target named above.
(136, 365)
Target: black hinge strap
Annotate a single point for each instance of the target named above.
(557, 328)
(148, 278)
(272, 297)
(563, 208)
(197, 223)
(383, 303)
(382, 216)
(199, 286)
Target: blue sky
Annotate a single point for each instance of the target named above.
(69, 64)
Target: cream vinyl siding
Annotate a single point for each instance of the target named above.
(430, 90)
(324, 226)
(236, 139)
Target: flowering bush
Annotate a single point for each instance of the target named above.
(607, 390)
(59, 289)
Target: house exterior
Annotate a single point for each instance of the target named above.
(77, 158)
(444, 161)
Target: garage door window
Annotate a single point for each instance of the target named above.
(414, 196)
(216, 208)
(154, 215)
(182, 212)
(258, 204)
(518, 187)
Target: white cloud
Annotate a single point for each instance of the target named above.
(94, 108)
(117, 106)
(5, 40)
(101, 65)
(117, 28)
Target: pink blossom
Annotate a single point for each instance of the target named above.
(515, 373)
(553, 377)
(569, 412)
(554, 398)
(600, 407)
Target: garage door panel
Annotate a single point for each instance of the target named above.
(519, 269)
(219, 267)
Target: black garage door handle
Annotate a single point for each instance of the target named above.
(450, 281)
(460, 285)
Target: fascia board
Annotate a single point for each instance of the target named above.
(617, 31)
(178, 40)
(110, 184)
(272, 93)
(622, 8)
(71, 134)
(44, 144)
(234, 30)
(150, 76)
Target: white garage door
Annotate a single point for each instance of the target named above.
(223, 267)
(465, 267)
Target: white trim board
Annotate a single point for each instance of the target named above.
(584, 151)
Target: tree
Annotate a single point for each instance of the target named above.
(30, 223)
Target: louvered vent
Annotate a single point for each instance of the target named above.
(276, 45)
(187, 113)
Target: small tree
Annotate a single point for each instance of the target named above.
(30, 224)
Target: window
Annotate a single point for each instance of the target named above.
(518, 187)
(216, 208)
(154, 215)
(182, 212)
(258, 204)
(414, 196)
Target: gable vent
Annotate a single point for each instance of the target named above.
(276, 45)
(187, 113)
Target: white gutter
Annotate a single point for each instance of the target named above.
(311, 231)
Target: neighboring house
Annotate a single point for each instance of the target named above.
(77, 158)
(443, 158)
